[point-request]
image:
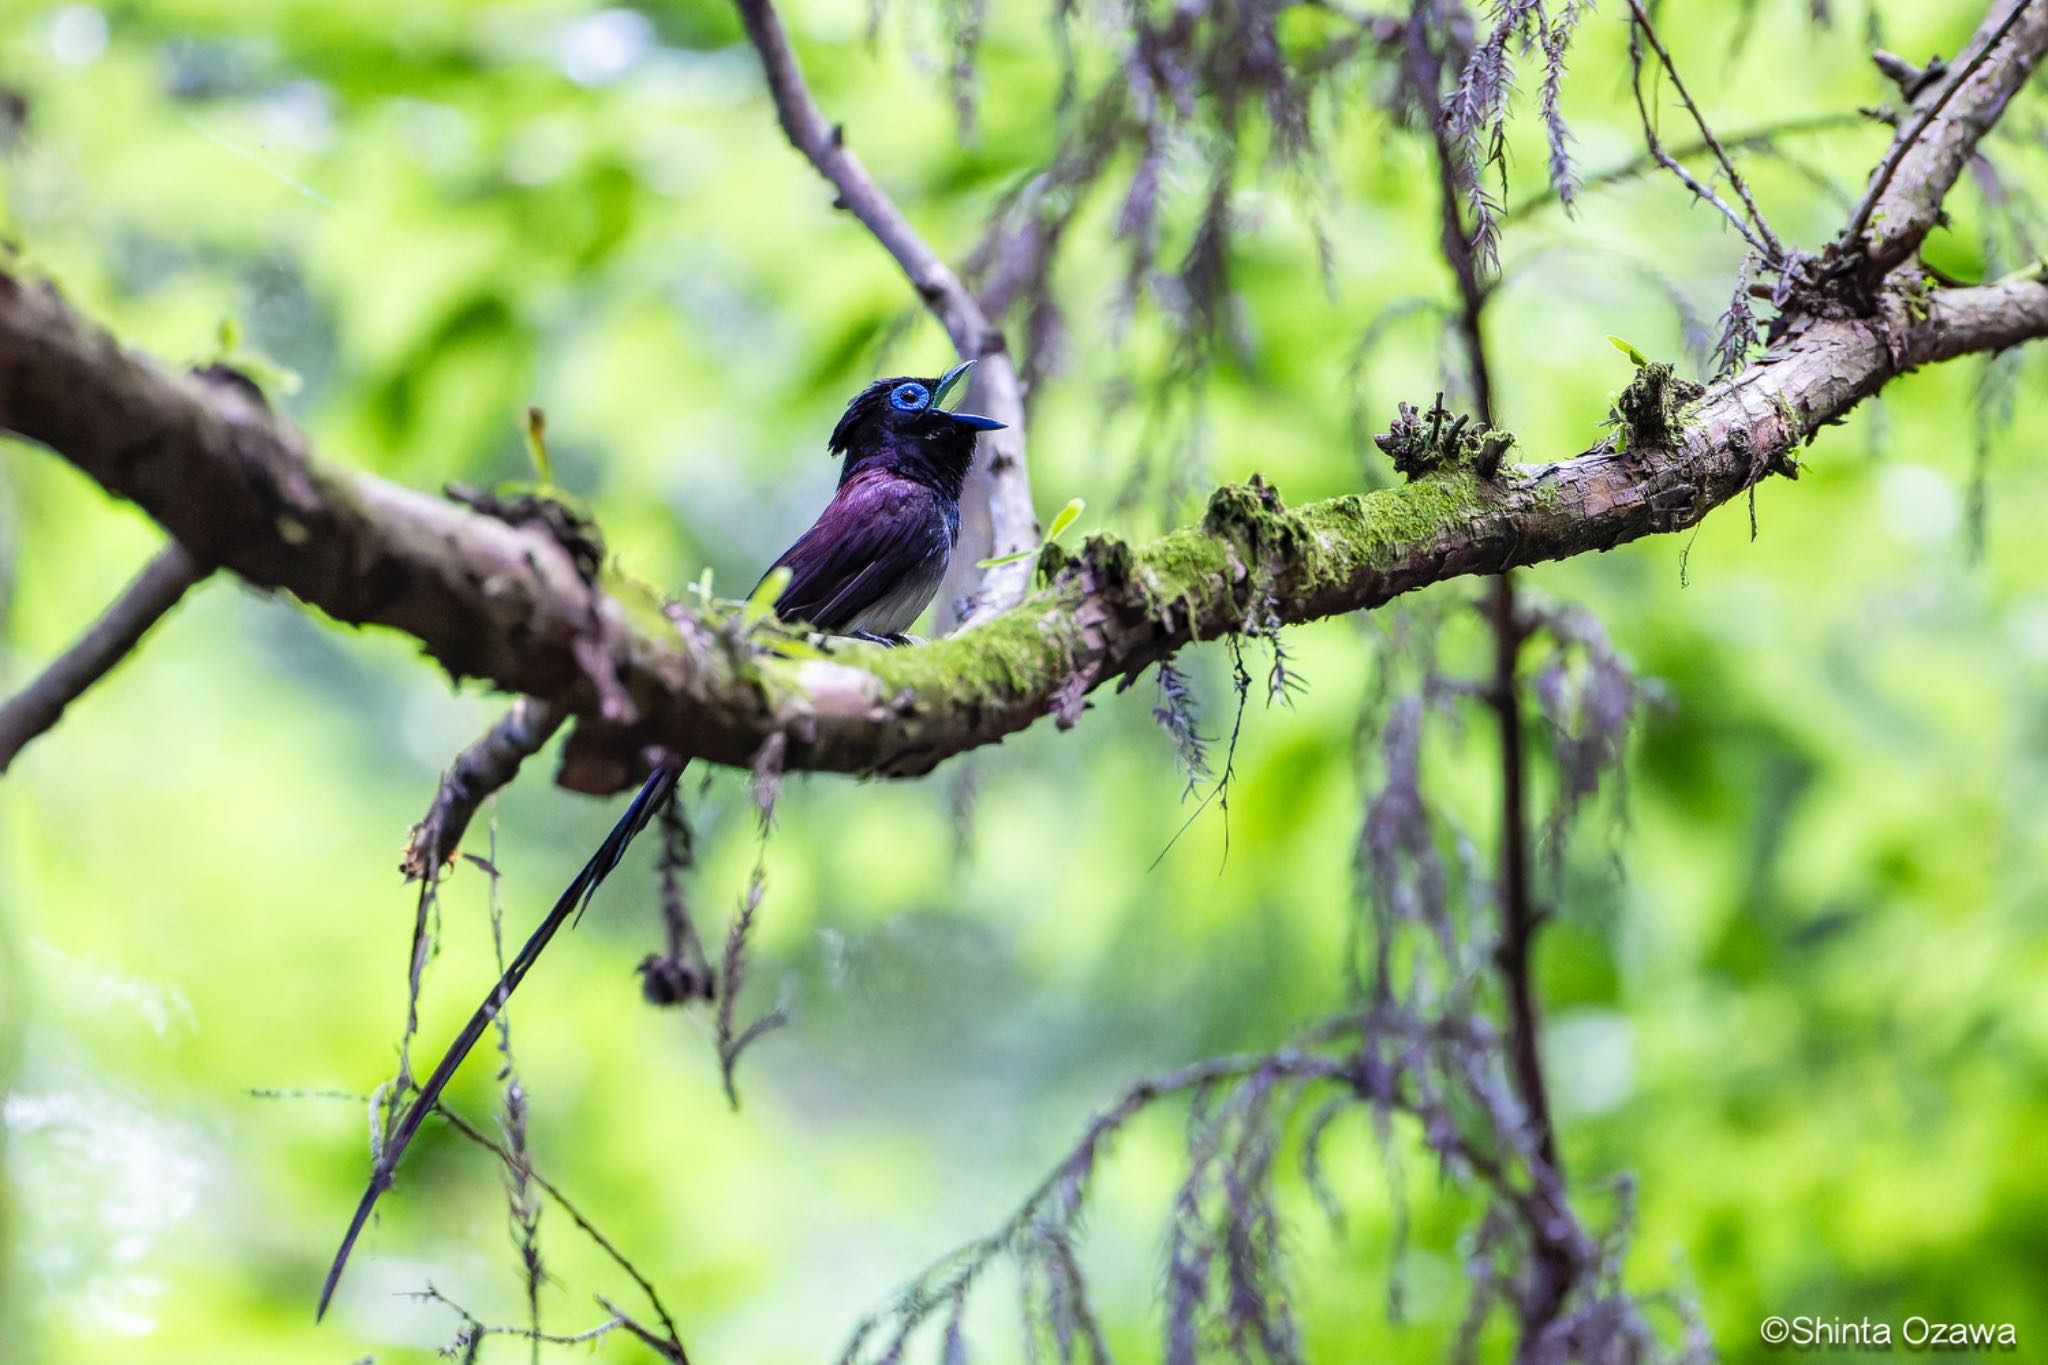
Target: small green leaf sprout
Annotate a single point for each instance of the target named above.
(1066, 517)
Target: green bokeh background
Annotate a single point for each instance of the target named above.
(1808, 1015)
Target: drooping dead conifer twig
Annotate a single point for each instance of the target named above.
(1043, 1222)
(1555, 1261)
(161, 585)
(1219, 791)
(522, 1203)
(732, 979)
(1372, 1060)
(389, 1100)
(681, 972)
(1178, 714)
(733, 1040)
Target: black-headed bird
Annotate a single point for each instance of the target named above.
(868, 567)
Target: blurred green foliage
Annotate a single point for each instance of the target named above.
(1795, 988)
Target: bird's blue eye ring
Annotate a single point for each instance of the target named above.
(909, 397)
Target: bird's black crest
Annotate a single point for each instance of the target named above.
(870, 404)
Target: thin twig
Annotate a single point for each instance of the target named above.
(670, 1345)
(668, 1348)
(673, 1346)
(477, 772)
(1241, 683)
(389, 1101)
(154, 591)
(994, 389)
(521, 1206)
(1664, 158)
(474, 1326)
(1649, 31)
(1756, 139)
(823, 144)
(732, 1040)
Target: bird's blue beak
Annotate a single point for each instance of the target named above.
(965, 419)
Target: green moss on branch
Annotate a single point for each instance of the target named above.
(1112, 608)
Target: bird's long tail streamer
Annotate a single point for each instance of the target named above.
(573, 899)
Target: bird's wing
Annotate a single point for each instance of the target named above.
(879, 535)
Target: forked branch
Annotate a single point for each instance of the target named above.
(1904, 197)
(1751, 224)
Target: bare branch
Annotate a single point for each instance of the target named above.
(504, 602)
(1637, 29)
(37, 707)
(999, 489)
(1904, 199)
(1910, 79)
(478, 771)
(1772, 248)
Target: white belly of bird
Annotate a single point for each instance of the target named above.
(894, 614)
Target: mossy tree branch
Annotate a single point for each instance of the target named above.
(506, 603)
(518, 603)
